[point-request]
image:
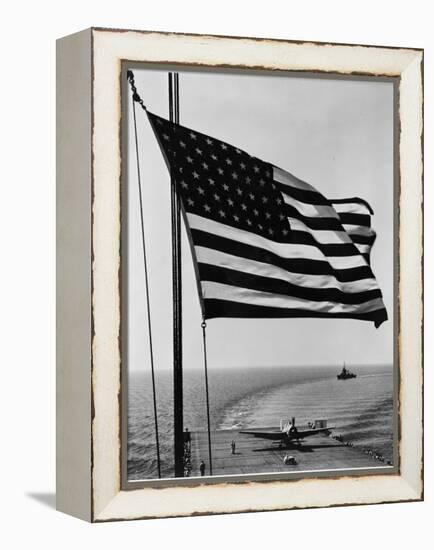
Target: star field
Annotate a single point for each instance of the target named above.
(218, 181)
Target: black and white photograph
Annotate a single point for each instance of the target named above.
(217, 266)
(258, 274)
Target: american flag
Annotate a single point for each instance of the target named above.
(264, 243)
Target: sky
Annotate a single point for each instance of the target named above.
(336, 134)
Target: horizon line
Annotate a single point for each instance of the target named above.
(363, 365)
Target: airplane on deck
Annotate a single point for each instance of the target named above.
(288, 433)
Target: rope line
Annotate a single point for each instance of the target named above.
(205, 360)
(136, 98)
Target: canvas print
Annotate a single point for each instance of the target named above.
(258, 274)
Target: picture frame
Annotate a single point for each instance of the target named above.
(90, 378)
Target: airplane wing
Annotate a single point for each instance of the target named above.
(313, 431)
(277, 436)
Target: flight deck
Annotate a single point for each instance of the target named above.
(254, 455)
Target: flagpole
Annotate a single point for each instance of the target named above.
(178, 407)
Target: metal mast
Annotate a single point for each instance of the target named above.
(178, 408)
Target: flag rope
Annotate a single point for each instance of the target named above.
(205, 360)
(135, 93)
(136, 98)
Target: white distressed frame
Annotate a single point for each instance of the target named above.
(93, 492)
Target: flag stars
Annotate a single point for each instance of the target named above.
(224, 183)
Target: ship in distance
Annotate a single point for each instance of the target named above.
(288, 433)
(345, 374)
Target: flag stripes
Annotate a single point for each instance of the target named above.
(354, 205)
(214, 257)
(215, 290)
(313, 222)
(297, 249)
(302, 266)
(355, 219)
(351, 222)
(329, 223)
(234, 266)
(226, 308)
(280, 286)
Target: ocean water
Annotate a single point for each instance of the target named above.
(361, 409)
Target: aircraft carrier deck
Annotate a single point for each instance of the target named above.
(255, 455)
